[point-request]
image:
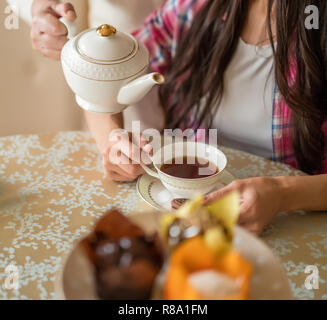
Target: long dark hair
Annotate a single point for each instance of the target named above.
(201, 60)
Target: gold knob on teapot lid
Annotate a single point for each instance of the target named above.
(106, 30)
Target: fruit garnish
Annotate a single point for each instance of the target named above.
(215, 239)
(190, 208)
(203, 264)
(214, 222)
(193, 257)
(226, 209)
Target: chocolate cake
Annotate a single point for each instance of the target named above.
(126, 260)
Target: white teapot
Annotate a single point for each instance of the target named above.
(106, 69)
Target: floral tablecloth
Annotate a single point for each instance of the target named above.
(52, 190)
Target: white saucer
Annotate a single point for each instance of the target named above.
(152, 191)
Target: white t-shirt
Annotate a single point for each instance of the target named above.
(244, 117)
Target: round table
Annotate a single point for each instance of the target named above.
(52, 190)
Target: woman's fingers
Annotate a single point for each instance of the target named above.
(255, 194)
(147, 151)
(133, 170)
(114, 176)
(215, 195)
(48, 34)
(65, 10)
(48, 23)
(119, 159)
(53, 43)
(245, 216)
(124, 171)
(123, 156)
(253, 227)
(130, 150)
(127, 155)
(47, 45)
(247, 209)
(118, 173)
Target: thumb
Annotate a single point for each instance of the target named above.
(65, 10)
(147, 148)
(146, 154)
(218, 194)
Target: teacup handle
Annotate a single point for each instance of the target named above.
(150, 172)
(70, 26)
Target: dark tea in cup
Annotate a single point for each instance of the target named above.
(189, 168)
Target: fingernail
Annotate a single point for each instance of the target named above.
(71, 14)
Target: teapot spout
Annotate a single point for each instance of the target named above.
(137, 89)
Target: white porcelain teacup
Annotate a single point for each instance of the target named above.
(182, 187)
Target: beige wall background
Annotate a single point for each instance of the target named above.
(34, 97)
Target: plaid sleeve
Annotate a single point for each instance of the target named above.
(163, 29)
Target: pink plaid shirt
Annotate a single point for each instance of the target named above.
(161, 33)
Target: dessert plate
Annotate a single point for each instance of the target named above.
(152, 191)
(75, 280)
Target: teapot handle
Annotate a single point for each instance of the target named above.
(71, 27)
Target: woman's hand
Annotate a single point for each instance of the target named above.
(122, 156)
(48, 34)
(116, 146)
(261, 200)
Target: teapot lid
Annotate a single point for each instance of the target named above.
(106, 44)
(105, 54)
